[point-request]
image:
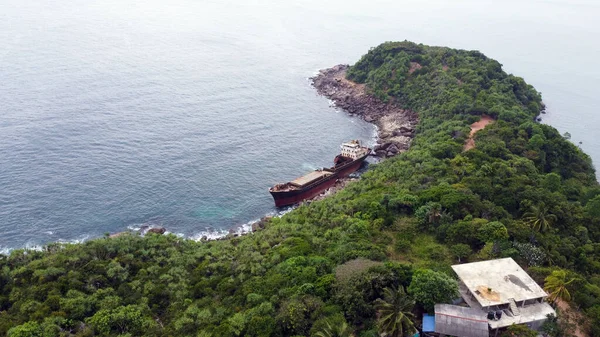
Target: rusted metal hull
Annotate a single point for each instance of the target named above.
(286, 198)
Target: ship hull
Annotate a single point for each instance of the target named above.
(283, 199)
(286, 198)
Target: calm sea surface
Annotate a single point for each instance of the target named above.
(182, 113)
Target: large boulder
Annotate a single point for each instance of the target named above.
(393, 149)
(380, 153)
(384, 135)
(403, 131)
(157, 230)
(381, 146)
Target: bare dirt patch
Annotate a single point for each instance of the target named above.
(574, 317)
(346, 271)
(414, 66)
(480, 124)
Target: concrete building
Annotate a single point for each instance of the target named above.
(454, 320)
(498, 292)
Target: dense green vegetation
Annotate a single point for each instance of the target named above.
(524, 192)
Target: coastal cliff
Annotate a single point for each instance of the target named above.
(396, 126)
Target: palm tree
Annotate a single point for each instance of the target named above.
(556, 285)
(539, 218)
(335, 330)
(435, 213)
(394, 312)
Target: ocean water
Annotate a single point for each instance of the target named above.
(124, 113)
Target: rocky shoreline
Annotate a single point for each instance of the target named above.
(396, 126)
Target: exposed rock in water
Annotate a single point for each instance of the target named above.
(260, 224)
(157, 230)
(396, 125)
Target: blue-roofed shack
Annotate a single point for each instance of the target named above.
(428, 323)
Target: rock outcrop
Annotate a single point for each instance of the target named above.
(260, 224)
(157, 230)
(396, 125)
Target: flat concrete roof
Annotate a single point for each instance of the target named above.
(504, 277)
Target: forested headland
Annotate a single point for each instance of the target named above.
(378, 251)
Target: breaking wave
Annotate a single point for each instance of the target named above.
(245, 228)
(35, 246)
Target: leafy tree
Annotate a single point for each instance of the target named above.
(552, 327)
(556, 285)
(296, 315)
(531, 254)
(519, 331)
(494, 232)
(395, 313)
(552, 182)
(592, 208)
(461, 251)
(594, 314)
(430, 287)
(430, 214)
(124, 319)
(29, 329)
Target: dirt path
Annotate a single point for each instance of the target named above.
(482, 123)
(573, 316)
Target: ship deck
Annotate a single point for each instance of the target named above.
(308, 178)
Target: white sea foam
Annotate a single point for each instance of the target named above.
(179, 235)
(36, 246)
(135, 227)
(81, 239)
(243, 229)
(4, 250)
(209, 233)
(28, 246)
(375, 134)
(143, 228)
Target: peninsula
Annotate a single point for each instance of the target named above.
(383, 250)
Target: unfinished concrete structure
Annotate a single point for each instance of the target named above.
(454, 320)
(499, 292)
